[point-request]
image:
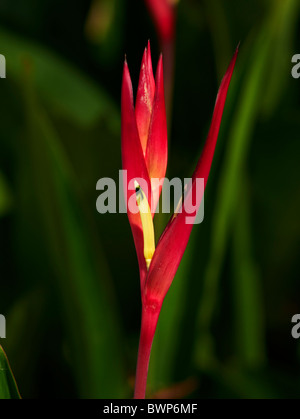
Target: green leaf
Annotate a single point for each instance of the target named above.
(87, 299)
(247, 289)
(244, 120)
(27, 323)
(285, 26)
(5, 196)
(64, 89)
(8, 386)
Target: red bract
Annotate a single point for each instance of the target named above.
(163, 12)
(144, 141)
(174, 239)
(144, 156)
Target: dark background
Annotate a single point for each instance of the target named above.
(69, 275)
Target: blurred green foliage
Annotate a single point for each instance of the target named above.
(69, 276)
(8, 386)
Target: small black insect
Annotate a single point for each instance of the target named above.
(139, 192)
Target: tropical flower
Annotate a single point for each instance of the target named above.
(144, 141)
(144, 157)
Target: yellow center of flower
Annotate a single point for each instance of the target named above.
(147, 223)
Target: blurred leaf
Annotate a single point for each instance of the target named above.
(285, 26)
(233, 382)
(65, 89)
(235, 156)
(8, 386)
(5, 196)
(220, 33)
(104, 29)
(247, 289)
(99, 20)
(26, 324)
(84, 285)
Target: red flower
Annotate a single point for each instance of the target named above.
(144, 156)
(144, 141)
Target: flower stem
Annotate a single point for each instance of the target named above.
(150, 316)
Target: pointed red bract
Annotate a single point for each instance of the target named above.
(150, 68)
(144, 133)
(174, 239)
(157, 146)
(144, 99)
(134, 163)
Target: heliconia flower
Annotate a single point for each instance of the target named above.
(144, 156)
(163, 12)
(144, 141)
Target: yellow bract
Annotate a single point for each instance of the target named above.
(147, 223)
